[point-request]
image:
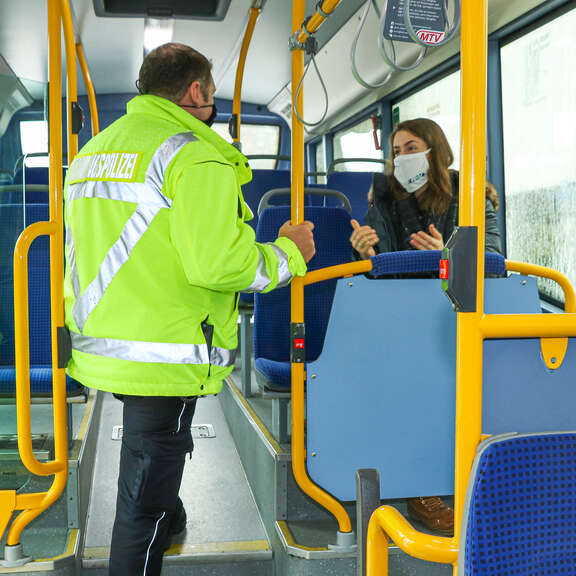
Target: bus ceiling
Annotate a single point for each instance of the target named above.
(114, 64)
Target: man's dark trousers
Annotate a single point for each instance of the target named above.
(156, 439)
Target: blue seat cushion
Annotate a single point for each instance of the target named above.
(278, 374)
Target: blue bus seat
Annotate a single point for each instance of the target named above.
(31, 175)
(272, 311)
(281, 197)
(387, 371)
(262, 181)
(34, 181)
(11, 224)
(356, 186)
(520, 507)
(313, 196)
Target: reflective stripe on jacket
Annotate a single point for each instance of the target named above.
(157, 249)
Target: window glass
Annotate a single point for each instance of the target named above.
(539, 109)
(256, 139)
(439, 102)
(357, 142)
(320, 162)
(34, 140)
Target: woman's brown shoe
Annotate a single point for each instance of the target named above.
(433, 513)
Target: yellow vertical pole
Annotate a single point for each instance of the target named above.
(237, 101)
(57, 239)
(297, 292)
(89, 88)
(471, 213)
(71, 80)
(36, 503)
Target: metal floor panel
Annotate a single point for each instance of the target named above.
(42, 420)
(222, 515)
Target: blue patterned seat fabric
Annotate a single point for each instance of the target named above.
(13, 218)
(520, 516)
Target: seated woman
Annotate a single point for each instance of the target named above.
(415, 207)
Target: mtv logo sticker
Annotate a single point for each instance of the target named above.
(428, 19)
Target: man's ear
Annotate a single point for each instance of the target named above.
(195, 93)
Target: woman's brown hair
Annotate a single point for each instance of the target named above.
(438, 196)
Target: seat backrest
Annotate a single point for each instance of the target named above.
(356, 186)
(313, 196)
(31, 175)
(388, 369)
(262, 181)
(272, 311)
(13, 219)
(34, 181)
(519, 516)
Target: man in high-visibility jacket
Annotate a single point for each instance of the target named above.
(157, 251)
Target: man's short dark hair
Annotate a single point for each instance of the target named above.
(168, 71)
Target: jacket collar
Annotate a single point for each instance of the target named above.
(163, 108)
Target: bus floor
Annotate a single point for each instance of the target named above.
(52, 539)
(302, 534)
(224, 533)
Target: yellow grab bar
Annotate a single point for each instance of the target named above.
(21, 331)
(34, 504)
(386, 520)
(237, 101)
(544, 272)
(315, 20)
(71, 82)
(89, 88)
(339, 271)
(297, 290)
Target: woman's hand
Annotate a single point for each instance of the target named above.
(424, 241)
(363, 240)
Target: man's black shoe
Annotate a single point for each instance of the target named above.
(177, 523)
(178, 520)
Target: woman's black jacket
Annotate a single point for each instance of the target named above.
(395, 220)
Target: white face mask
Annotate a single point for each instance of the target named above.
(411, 170)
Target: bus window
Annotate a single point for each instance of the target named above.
(357, 141)
(440, 102)
(320, 161)
(256, 139)
(34, 139)
(539, 110)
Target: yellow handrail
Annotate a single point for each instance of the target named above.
(297, 291)
(71, 82)
(387, 520)
(315, 21)
(543, 272)
(89, 88)
(35, 504)
(237, 101)
(339, 271)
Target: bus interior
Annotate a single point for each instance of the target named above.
(303, 463)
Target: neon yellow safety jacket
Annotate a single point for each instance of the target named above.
(157, 250)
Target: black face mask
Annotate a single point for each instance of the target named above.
(210, 120)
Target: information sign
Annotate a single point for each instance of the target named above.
(427, 16)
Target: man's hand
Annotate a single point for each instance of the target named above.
(302, 236)
(363, 240)
(423, 241)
